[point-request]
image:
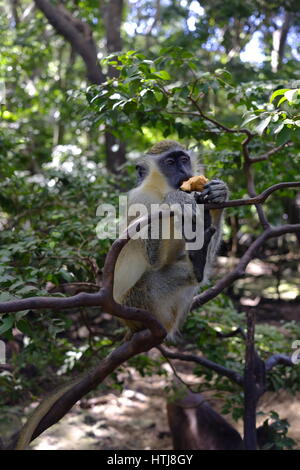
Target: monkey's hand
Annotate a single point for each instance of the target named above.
(215, 191)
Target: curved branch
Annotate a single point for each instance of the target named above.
(218, 124)
(140, 342)
(239, 271)
(258, 199)
(276, 359)
(68, 394)
(269, 153)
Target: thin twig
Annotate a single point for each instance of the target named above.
(161, 350)
(221, 370)
(269, 153)
(218, 124)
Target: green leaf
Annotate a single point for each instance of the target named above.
(158, 95)
(291, 95)
(163, 74)
(282, 100)
(249, 119)
(115, 96)
(7, 323)
(130, 106)
(19, 315)
(262, 125)
(118, 104)
(284, 135)
(278, 93)
(24, 326)
(278, 128)
(144, 91)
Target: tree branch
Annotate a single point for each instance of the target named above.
(104, 297)
(78, 33)
(250, 180)
(250, 386)
(202, 361)
(239, 271)
(276, 359)
(218, 124)
(268, 154)
(78, 388)
(257, 199)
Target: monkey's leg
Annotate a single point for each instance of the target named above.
(137, 297)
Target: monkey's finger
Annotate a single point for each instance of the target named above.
(215, 186)
(217, 191)
(205, 192)
(199, 197)
(214, 181)
(215, 198)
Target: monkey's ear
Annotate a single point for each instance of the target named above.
(141, 170)
(141, 173)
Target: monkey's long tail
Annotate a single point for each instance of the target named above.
(35, 418)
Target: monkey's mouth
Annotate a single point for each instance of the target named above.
(182, 180)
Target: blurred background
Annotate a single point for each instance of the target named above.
(62, 154)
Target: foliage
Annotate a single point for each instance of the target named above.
(276, 429)
(203, 330)
(53, 175)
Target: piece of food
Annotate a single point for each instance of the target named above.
(195, 183)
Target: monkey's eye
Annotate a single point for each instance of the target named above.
(169, 161)
(184, 159)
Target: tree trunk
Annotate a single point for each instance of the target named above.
(115, 150)
(79, 35)
(279, 42)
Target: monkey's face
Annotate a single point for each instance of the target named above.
(165, 167)
(176, 166)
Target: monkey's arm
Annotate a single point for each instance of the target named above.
(199, 257)
(164, 243)
(216, 191)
